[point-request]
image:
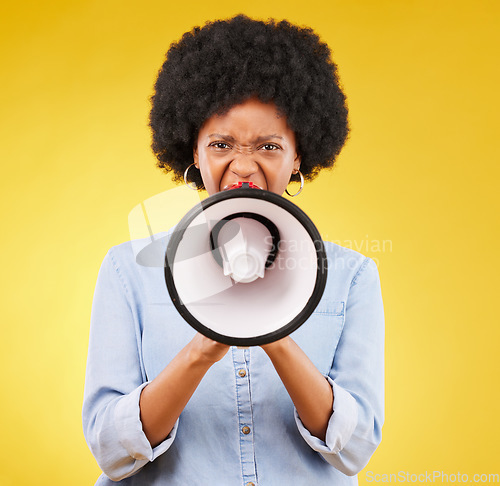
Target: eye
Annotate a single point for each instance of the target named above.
(269, 147)
(220, 145)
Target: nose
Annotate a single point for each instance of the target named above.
(244, 165)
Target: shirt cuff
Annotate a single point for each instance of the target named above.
(341, 425)
(129, 429)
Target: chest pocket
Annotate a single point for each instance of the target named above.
(319, 336)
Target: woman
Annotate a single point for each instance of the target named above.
(238, 100)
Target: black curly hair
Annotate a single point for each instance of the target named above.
(226, 62)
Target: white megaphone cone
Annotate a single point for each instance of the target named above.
(245, 267)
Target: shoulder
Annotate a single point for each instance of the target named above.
(342, 257)
(137, 260)
(144, 252)
(336, 251)
(139, 267)
(346, 265)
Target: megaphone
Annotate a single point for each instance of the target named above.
(245, 266)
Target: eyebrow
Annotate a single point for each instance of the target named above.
(229, 138)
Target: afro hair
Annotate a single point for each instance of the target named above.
(220, 65)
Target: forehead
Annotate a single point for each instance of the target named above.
(248, 118)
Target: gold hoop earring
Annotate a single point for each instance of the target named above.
(301, 186)
(191, 185)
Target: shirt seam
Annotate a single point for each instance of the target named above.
(138, 337)
(118, 273)
(247, 362)
(360, 270)
(237, 412)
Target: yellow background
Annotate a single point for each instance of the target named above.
(421, 171)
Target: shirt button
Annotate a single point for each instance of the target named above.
(246, 430)
(242, 373)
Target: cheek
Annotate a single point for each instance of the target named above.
(282, 168)
(278, 176)
(211, 172)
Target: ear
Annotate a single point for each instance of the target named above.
(195, 157)
(296, 164)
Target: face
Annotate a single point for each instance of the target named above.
(249, 143)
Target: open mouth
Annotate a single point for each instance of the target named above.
(240, 184)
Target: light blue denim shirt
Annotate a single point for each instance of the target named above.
(136, 331)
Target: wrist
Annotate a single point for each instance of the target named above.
(277, 348)
(196, 358)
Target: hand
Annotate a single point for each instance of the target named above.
(206, 350)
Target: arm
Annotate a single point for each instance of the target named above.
(358, 370)
(163, 400)
(116, 381)
(115, 377)
(309, 390)
(356, 378)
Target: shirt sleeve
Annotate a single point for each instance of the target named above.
(357, 379)
(115, 378)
